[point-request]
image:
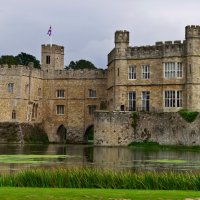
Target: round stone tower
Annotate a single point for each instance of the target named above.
(192, 36)
(52, 57)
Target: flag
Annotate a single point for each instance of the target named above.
(49, 31)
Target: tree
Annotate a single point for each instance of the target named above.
(8, 59)
(81, 64)
(20, 59)
(25, 59)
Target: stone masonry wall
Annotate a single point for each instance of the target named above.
(115, 128)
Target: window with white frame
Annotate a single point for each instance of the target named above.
(60, 93)
(60, 109)
(173, 70)
(145, 100)
(132, 101)
(10, 87)
(132, 72)
(145, 71)
(92, 93)
(173, 98)
(179, 70)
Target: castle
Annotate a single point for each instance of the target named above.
(164, 77)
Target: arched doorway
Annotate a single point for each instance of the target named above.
(61, 133)
(89, 134)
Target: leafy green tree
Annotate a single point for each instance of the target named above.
(8, 59)
(25, 59)
(81, 64)
(20, 59)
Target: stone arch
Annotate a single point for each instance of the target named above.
(89, 134)
(61, 133)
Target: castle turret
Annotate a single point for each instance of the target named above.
(192, 36)
(52, 57)
(121, 39)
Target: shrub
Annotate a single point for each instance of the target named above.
(188, 116)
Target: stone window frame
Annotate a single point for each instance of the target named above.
(60, 109)
(172, 70)
(92, 93)
(132, 100)
(132, 72)
(145, 69)
(10, 87)
(60, 93)
(145, 97)
(173, 98)
(48, 59)
(14, 115)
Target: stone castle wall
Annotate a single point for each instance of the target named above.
(115, 128)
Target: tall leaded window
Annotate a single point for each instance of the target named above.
(179, 70)
(145, 71)
(60, 109)
(173, 98)
(92, 93)
(145, 100)
(48, 59)
(173, 70)
(60, 93)
(132, 72)
(10, 87)
(132, 100)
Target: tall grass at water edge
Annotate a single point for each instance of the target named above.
(96, 178)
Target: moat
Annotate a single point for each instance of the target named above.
(18, 157)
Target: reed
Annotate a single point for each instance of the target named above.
(97, 178)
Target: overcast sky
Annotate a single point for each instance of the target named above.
(86, 27)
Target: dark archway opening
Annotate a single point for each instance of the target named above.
(89, 135)
(62, 132)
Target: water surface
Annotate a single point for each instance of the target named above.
(17, 157)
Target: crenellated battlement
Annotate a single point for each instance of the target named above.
(52, 48)
(75, 74)
(160, 49)
(192, 31)
(20, 70)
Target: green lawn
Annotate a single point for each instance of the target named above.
(14, 193)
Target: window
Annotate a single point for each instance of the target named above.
(132, 101)
(92, 108)
(173, 70)
(145, 71)
(60, 109)
(39, 92)
(92, 93)
(13, 114)
(179, 70)
(132, 72)
(173, 98)
(48, 60)
(60, 93)
(10, 87)
(145, 100)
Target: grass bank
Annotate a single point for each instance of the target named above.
(96, 178)
(91, 194)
